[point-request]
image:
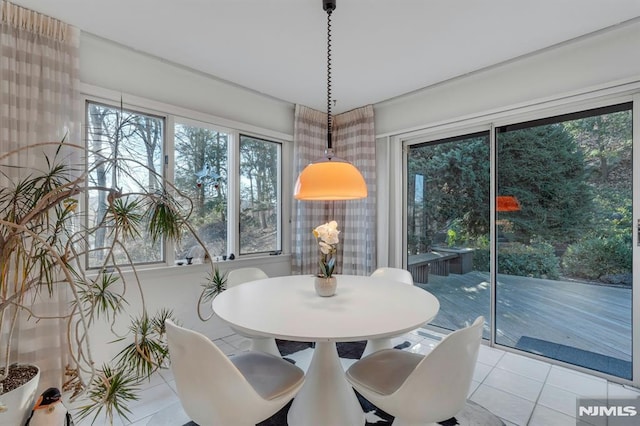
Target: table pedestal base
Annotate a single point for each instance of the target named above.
(326, 398)
(265, 344)
(375, 345)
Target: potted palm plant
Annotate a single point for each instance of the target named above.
(44, 244)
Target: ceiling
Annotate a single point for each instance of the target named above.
(381, 48)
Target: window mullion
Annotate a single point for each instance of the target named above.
(169, 175)
(233, 201)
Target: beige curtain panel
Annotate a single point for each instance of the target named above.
(39, 72)
(39, 82)
(355, 135)
(354, 141)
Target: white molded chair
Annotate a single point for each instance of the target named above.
(416, 389)
(240, 276)
(241, 390)
(395, 274)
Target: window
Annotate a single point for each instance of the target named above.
(448, 218)
(547, 256)
(200, 173)
(231, 184)
(119, 142)
(259, 195)
(564, 255)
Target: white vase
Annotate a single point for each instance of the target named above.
(19, 402)
(326, 287)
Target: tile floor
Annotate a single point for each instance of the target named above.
(520, 390)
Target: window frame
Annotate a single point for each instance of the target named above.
(539, 111)
(86, 101)
(231, 170)
(171, 115)
(279, 197)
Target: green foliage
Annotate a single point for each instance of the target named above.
(459, 236)
(98, 296)
(216, 284)
(613, 213)
(606, 140)
(448, 183)
(165, 219)
(593, 257)
(537, 260)
(481, 254)
(125, 215)
(543, 167)
(451, 237)
(482, 259)
(327, 267)
(111, 390)
(148, 351)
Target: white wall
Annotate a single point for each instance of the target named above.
(597, 60)
(112, 66)
(177, 288)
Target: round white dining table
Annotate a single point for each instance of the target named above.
(288, 308)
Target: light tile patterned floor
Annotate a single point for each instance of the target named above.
(520, 390)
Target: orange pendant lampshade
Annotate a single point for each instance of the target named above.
(330, 178)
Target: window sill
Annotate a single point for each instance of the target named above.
(260, 261)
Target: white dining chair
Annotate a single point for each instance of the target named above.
(417, 389)
(240, 390)
(393, 274)
(240, 276)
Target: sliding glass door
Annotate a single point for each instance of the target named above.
(564, 238)
(558, 254)
(448, 225)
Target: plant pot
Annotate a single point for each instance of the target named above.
(325, 287)
(19, 402)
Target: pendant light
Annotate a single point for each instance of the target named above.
(330, 177)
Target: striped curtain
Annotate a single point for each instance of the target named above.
(39, 83)
(354, 141)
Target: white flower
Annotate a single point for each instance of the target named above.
(327, 232)
(325, 248)
(327, 237)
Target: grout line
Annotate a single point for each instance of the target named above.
(147, 418)
(544, 383)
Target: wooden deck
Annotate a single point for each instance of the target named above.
(590, 318)
(440, 261)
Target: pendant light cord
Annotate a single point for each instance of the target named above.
(329, 117)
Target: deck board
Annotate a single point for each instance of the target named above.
(587, 317)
